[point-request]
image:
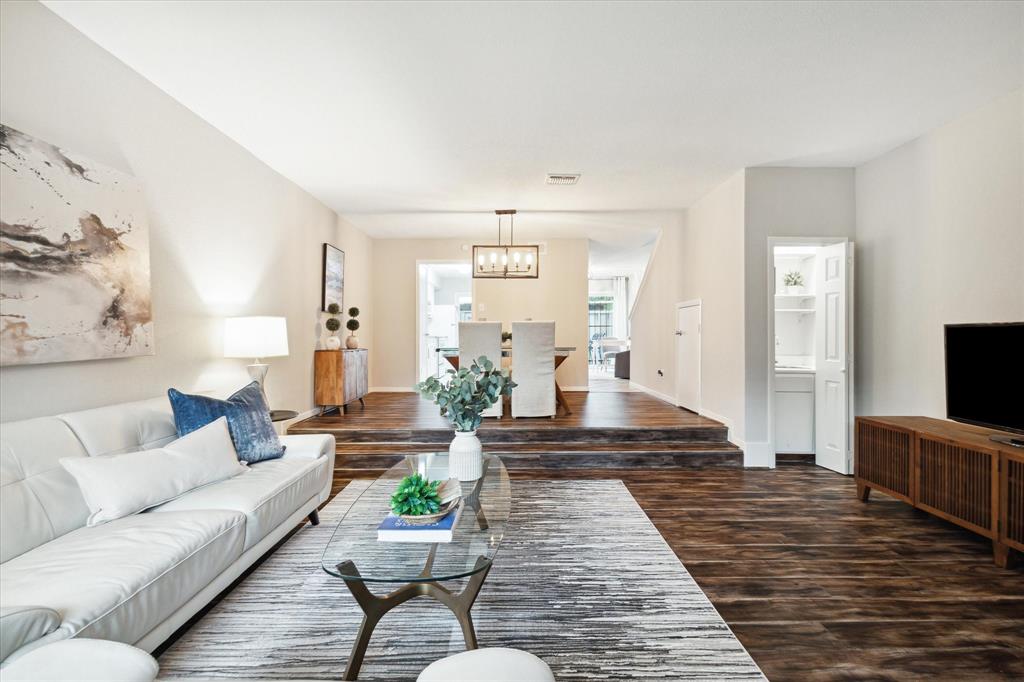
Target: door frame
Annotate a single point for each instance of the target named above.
(770, 338)
(692, 303)
(419, 291)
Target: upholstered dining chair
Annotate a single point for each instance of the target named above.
(533, 369)
(481, 338)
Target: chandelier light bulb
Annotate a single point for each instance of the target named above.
(494, 257)
(504, 259)
(516, 257)
(529, 259)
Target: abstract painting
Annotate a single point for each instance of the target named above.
(334, 277)
(74, 257)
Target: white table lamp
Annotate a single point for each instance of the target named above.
(256, 337)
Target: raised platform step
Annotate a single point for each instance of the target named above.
(560, 455)
(528, 433)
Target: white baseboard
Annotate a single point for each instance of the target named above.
(283, 426)
(758, 455)
(391, 389)
(717, 417)
(655, 394)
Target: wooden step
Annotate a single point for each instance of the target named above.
(560, 455)
(527, 434)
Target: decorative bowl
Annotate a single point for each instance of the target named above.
(427, 519)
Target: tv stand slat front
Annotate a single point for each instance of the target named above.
(953, 471)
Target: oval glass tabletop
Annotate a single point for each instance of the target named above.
(355, 553)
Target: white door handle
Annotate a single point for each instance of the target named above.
(842, 371)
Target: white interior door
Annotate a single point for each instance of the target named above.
(688, 357)
(833, 361)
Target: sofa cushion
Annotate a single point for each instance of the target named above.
(20, 625)
(39, 500)
(248, 419)
(267, 493)
(118, 485)
(119, 580)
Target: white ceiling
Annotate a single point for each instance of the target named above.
(417, 119)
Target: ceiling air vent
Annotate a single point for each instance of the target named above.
(563, 178)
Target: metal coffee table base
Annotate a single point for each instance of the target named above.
(375, 607)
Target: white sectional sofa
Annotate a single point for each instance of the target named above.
(137, 579)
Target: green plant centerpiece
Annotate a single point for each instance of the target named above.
(352, 325)
(416, 496)
(463, 395)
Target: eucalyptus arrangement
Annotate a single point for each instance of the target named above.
(416, 496)
(463, 395)
(793, 278)
(352, 325)
(333, 324)
(506, 337)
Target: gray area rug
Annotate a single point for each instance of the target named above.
(582, 579)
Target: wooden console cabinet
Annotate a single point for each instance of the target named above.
(948, 469)
(340, 377)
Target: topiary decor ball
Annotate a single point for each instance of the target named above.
(333, 324)
(353, 312)
(352, 324)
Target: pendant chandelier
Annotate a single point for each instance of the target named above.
(506, 261)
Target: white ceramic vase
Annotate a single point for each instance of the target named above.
(332, 342)
(465, 456)
(351, 342)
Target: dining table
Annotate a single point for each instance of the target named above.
(561, 353)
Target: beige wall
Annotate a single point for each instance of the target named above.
(559, 294)
(940, 239)
(228, 235)
(699, 256)
(652, 319)
(713, 254)
(782, 202)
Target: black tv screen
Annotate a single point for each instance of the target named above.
(985, 374)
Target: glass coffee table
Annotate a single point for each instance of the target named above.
(356, 556)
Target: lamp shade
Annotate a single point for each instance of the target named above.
(255, 337)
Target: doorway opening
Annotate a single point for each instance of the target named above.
(444, 298)
(810, 383)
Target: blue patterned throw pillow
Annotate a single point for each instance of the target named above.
(248, 420)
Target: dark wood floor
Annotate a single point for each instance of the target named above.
(392, 411)
(606, 430)
(820, 586)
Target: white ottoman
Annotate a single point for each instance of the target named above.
(83, 660)
(488, 665)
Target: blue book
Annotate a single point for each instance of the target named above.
(394, 529)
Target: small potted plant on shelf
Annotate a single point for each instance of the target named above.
(506, 338)
(793, 281)
(463, 395)
(352, 325)
(333, 324)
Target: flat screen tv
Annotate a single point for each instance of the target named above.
(985, 375)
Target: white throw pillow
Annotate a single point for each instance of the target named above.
(115, 486)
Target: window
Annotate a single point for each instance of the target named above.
(465, 309)
(601, 309)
